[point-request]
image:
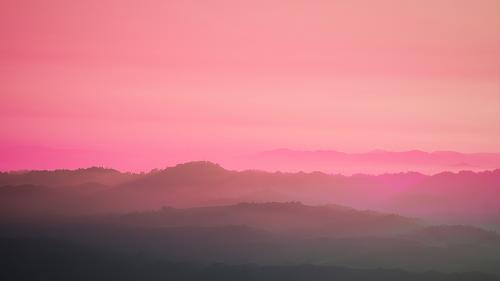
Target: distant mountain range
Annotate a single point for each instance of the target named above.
(373, 162)
(285, 160)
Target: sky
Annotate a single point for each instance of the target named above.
(140, 84)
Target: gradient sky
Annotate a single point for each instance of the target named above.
(140, 84)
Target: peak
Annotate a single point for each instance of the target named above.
(270, 205)
(198, 165)
(97, 169)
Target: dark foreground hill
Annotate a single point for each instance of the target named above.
(278, 234)
(45, 259)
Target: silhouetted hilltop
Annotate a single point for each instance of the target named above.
(66, 177)
(198, 172)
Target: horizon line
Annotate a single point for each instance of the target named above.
(23, 171)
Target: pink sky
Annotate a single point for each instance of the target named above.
(140, 84)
